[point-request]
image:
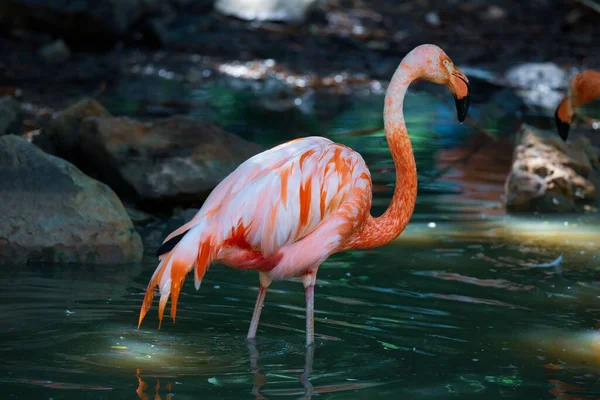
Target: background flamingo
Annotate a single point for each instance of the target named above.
(583, 89)
(286, 210)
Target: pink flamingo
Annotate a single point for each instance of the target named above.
(286, 210)
(583, 89)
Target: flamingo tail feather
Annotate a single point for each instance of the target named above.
(192, 250)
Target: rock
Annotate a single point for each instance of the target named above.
(266, 10)
(433, 19)
(493, 13)
(539, 84)
(176, 160)
(140, 218)
(549, 175)
(52, 212)
(64, 128)
(194, 5)
(83, 23)
(56, 52)
(10, 115)
(179, 218)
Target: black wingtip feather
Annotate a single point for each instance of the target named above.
(169, 244)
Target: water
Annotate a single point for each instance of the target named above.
(465, 318)
(467, 303)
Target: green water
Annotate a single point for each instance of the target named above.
(456, 307)
(464, 318)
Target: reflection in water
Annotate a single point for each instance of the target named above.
(495, 283)
(562, 390)
(143, 386)
(258, 379)
(394, 321)
(480, 171)
(564, 348)
(308, 366)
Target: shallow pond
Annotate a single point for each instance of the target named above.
(466, 303)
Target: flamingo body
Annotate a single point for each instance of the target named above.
(286, 210)
(308, 193)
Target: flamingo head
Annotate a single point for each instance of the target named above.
(583, 89)
(437, 67)
(459, 86)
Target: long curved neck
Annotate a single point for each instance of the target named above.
(382, 230)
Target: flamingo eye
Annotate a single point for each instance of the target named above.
(447, 63)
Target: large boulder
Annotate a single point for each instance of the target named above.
(176, 160)
(549, 175)
(52, 212)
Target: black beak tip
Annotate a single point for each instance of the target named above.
(462, 107)
(563, 127)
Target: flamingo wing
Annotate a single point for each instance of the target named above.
(281, 195)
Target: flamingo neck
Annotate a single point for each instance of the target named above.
(382, 230)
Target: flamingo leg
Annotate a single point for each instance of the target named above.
(309, 280)
(260, 299)
(304, 378)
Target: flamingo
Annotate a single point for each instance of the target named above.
(583, 89)
(284, 211)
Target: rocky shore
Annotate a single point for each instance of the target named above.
(113, 114)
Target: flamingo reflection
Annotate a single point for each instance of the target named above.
(143, 386)
(259, 379)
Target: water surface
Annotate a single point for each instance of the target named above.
(467, 303)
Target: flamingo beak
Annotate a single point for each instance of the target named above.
(563, 119)
(459, 85)
(462, 107)
(563, 127)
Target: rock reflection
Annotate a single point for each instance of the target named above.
(565, 349)
(561, 390)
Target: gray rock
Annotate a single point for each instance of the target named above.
(140, 218)
(179, 218)
(539, 84)
(56, 52)
(175, 160)
(10, 115)
(52, 212)
(549, 175)
(266, 10)
(64, 128)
